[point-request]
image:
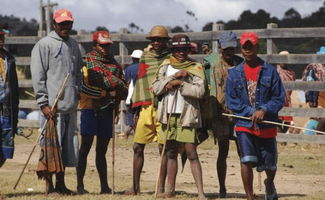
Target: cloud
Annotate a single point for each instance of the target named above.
(115, 14)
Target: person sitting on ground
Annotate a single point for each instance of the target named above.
(183, 79)
(286, 74)
(315, 72)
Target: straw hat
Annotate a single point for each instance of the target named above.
(158, 31)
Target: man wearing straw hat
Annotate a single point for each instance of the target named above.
(180, 85)
(9, 100)
(145, 102)
(254, 89)
(53, 57)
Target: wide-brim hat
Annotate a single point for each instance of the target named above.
(158, 32)
(137, 54)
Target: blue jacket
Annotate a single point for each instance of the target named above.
(270, 94)
(131, 72)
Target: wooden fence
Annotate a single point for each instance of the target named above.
(270, 33)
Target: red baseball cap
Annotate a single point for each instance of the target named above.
(62, 15)
(248, 36)
(102, 37)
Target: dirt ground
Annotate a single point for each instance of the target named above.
(301, 173)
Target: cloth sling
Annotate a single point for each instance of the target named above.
(105, 73)
(192, 67)
(50, 161)
(148, 67)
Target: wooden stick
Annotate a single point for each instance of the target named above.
(43, 128)
(29, 93)
(275, 123)
(113, 152)
(260, 181)
(165, 139)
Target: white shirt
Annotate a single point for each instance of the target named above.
(179, 103)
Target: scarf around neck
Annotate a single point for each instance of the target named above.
(148, 66)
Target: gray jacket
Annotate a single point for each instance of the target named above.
(192, 90)
(52, 59)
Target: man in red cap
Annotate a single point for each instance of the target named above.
(53, 57)
(9, 100)
(102, 89)
(254, 89)
(180, 85)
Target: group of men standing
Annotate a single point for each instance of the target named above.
(167, 96)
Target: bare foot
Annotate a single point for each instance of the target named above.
(2, 196)
(106, 191)
(202, 197)
(166, 195)
(131, 192)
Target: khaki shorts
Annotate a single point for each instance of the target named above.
(176, 132)
(148, 126)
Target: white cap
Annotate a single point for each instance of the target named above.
(136, 54)
(284, 53)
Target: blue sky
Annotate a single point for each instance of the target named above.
(115, 14)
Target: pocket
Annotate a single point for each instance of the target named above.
(266, 82)
(239, 88)
(265, 86)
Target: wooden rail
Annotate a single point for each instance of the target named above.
(300, 138)
(270, 33)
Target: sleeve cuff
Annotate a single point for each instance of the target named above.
(103, 93)
(263, 108)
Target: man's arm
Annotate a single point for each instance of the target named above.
(195, 90)
(234, 102)
(39, 68)
(160, 82)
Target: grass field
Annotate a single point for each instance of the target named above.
(301, 174)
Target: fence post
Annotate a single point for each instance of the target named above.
(122, 47)
(123, 52)
(216, 27)
(81, 47)
(270, 45)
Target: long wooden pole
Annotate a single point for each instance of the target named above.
(165, 139)
(113, 152)
(43, 128)
(275, 123)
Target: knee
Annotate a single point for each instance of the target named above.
(85, 146)
(101, 150)
(192, 155)
(138, 150)
(172, 154)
